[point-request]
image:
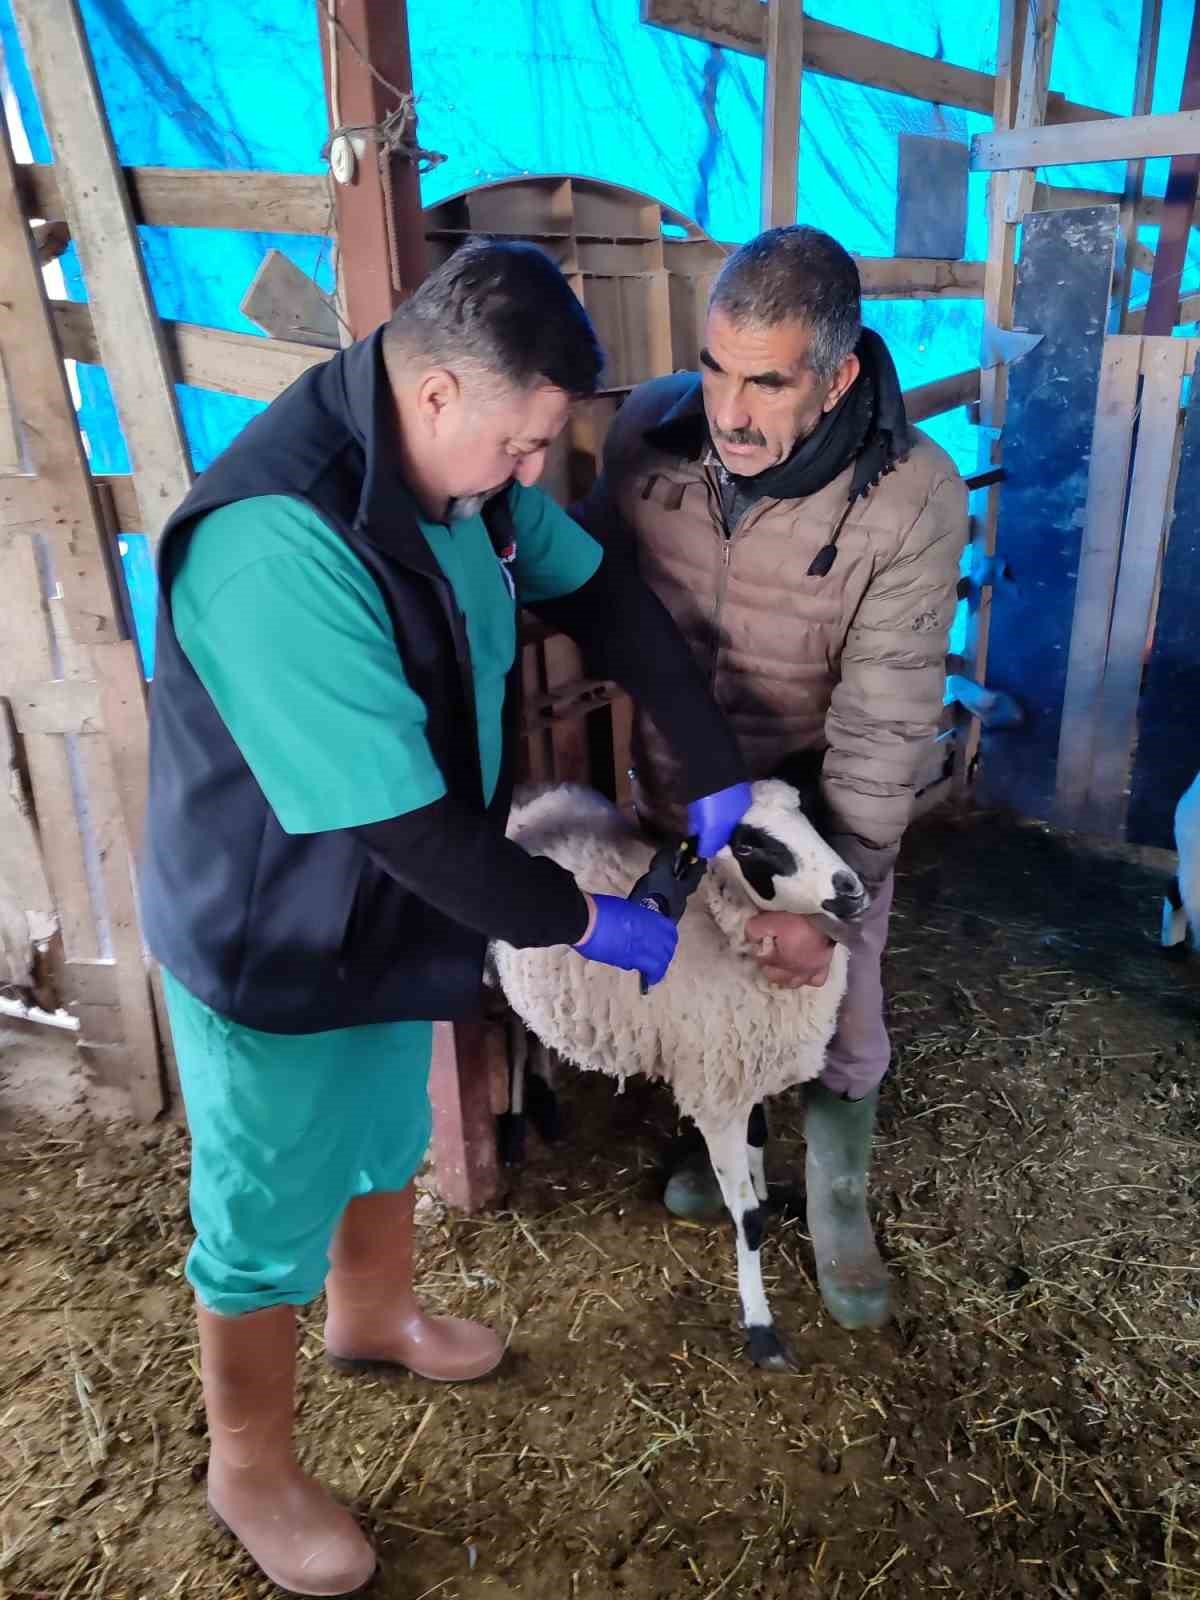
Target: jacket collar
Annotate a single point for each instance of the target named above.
(683, 430)
(387, 515)
(358, 392)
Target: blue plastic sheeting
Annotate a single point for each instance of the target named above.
(576, 86)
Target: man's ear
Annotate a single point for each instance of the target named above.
(437, 393)
(842, 379)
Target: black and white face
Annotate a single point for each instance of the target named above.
(785, 865)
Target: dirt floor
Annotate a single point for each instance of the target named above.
(1029, 1426)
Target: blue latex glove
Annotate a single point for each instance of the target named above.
(629, 936)
(713, 817)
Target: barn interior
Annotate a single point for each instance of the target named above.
(202, 203)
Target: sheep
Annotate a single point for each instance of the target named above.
(715, 1029)
(1181, 906)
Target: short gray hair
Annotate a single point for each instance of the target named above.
(503, 308)
(796, 274)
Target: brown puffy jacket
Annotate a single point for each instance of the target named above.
(852, 663)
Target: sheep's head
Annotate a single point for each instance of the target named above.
(778, 860)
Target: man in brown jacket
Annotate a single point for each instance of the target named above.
(807, 542)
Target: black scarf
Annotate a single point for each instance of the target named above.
(868, 426)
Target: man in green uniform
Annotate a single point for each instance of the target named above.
(332, 732)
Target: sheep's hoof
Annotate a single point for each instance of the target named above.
(768, 1351)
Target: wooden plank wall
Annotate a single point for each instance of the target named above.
(1168, 732)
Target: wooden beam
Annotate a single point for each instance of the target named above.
(841, 53)
(922, 402)
(61, 498)
(1165, 757)
(999, 279)
(62, 705)
(102, 227)
(1052, 197)
(10, 443)
(781, 112)
(1099, 557)
(1163, 364)
(1179, 206)
(1175, 133)
(1135, 171)
(291, 202)
(943, 394)
(1140, 256)
(260, 368)
(465, 1158)
(920, 278)
(1037, 49)
(191, 197)
(381, 250)
(381, 241)
(1188, 310)
(287, 304)
(210, 358)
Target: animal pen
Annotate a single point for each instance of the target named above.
(1027, 1426)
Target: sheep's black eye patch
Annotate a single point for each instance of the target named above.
(762, 858)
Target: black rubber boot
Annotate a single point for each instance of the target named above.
(692, 1191)
(851, 1276)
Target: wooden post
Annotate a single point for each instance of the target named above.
(1100, 555)
(380, 238)
(1023, 53)
(97, 206)
(1037, 47)
(1178, 207)
(381, 258)
(1165, 757)
(1163, 362)
(1135, 171)
(465, 1160)
(781, 112)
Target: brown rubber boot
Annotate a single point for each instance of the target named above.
(293, 1528)
(374, 1322)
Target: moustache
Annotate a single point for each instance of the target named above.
(741, 437)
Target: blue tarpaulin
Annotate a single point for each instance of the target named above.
(533, 86)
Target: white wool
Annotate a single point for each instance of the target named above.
(715, 1029)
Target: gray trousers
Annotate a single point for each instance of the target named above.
(860, 1052)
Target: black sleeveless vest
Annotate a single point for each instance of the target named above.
(297, 933)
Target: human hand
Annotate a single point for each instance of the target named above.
(623, 934)
(713, 817)
(798, 952)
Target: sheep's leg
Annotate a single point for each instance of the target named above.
(729, 1153)
(1174, 922)
(510, 1134)
(756, 1149)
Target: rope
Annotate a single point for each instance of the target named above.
(393, 135)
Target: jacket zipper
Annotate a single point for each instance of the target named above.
(727, 537)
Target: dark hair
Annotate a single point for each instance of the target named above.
(796, 274)
(504, 307)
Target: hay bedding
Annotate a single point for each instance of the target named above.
(1031, 1426)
